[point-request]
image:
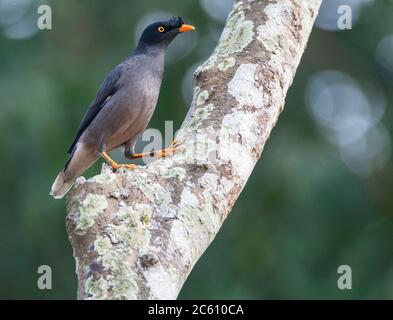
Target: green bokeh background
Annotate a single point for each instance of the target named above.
(303, 212)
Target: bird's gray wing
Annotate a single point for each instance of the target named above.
(106, 90)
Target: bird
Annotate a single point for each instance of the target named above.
(122, 106)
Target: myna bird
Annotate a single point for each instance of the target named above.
(122, 107)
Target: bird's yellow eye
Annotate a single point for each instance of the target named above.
(161, 29)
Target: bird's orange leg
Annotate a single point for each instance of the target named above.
(116, 165)
(159, 153)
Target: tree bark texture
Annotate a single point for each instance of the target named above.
(138, 234)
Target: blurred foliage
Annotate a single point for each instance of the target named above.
(303, 212)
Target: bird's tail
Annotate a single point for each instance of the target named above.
(61, 186)
(80, 161)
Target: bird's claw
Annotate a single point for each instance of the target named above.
(116, 166)
(174, 147)
(170, 151)
(175, 143)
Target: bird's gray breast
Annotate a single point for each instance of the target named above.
(132, 107)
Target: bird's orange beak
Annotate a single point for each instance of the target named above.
(186, 28)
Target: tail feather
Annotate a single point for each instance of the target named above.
(61, 186)
(81, 160)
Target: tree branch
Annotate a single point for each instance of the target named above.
(137, 234)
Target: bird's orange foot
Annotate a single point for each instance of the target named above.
(116, 165)
(174, 147)
(168, 151)
(130, 166)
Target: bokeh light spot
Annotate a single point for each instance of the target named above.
(350, 118)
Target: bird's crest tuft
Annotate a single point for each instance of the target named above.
(176, 22)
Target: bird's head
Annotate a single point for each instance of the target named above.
(163, 32)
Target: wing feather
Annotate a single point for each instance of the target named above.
(107, 89)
